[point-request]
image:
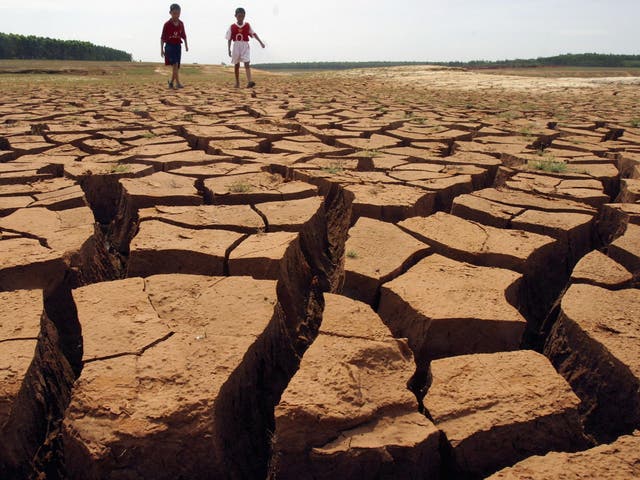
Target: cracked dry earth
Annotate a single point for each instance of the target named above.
(321, 278)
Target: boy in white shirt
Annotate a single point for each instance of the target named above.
(239, 33)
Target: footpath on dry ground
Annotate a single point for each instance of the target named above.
(319, 278)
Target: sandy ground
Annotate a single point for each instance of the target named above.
(458, 79)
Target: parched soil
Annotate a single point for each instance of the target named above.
(396, 273)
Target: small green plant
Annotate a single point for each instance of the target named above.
(548, 165)
(635, 123)
(560, 116)
(188, 117)
(370, 153)
(239, 187)
(150, 135)
(419, 120)
(510, 115)
(120, 169)
(352, 254)
(333, 168)
(526, 132)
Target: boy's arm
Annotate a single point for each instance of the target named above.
(229, 46)
(184, 36)
(255, 35)
(162, 38)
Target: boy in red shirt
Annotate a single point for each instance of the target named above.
(239, 33)
(171, 43)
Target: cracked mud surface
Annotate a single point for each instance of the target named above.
(393, 273)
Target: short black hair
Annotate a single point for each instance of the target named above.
(174, 6)
(240, 10)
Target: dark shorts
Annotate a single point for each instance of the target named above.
(172, 54)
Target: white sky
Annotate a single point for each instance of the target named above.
(347, 30)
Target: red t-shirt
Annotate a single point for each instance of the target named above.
(173, 33)
(241, 33)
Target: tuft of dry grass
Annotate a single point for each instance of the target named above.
(239, 187)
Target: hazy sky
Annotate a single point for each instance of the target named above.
(354, 30)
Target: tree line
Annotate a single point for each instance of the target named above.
(13, 46)
(567, 60)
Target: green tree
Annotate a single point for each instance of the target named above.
(13, 46)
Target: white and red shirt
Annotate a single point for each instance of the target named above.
(240, 33)
(172, 33)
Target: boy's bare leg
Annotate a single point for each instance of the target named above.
(250, 82)
(172, 79)
(175, 79)
(237, 72)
